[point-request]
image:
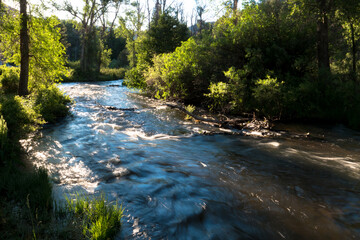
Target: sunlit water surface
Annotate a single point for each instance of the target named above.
(178, 184)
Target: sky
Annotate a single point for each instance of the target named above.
(212, 7)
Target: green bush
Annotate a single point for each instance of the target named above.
(9, 79)
(3, 138)
(180, 75)
(219, 96)
(112, 73)
(51, 103)
(99, 220)
(134, 77)
(268, 97)
(19, 114)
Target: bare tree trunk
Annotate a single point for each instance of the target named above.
(24, 50)
(235, 5)
(323, 36)
(353, 49)
(323, 42)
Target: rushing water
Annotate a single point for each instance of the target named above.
(178, 184)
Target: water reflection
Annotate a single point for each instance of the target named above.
(178, 184)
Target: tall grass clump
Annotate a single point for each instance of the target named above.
(99, 219)
(3, 138)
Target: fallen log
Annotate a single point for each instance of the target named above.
(119, 109)
(237, 122)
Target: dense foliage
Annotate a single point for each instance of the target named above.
(268, 58)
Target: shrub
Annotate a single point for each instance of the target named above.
(190, 109)
(181, 74)
(51, 103)
(9, 79)
(112, 73)
(135, 77)
(268, 97)
(99, 220)
(3, 138)
(233, 96)
(219, 96)
(19, 115)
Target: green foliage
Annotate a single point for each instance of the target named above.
(106, 58)
(135, 77)
(51, 103)
(32, 188)
(9, 79)
(20, 115)
(268, 97)
(219, 96)
(3, 138)
(190, 108)
(179, 75)
(46, 50)
(112, 73)
(99, 220)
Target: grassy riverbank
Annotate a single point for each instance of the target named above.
(106, 74)
(27, 209)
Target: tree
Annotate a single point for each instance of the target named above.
(47, 54)
(321, 10)
(91, 12)
(164, 36)
(349, 14)
(130, 28)
(106, 28)
(24, 50)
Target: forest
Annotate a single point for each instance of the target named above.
(280, 60)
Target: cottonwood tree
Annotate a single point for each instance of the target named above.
(349, 14)
(88, 16)
(130, 28)
(24, 49)
(107, 27)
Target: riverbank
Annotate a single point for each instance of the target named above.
(27, 207)
(106, 74)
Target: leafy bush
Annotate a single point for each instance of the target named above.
(3, 138)
(233, 96)
(51, 103)
(19, 114)
(9, 79)
(99, 220)
(219, 96)
(190, 109)
(112, 73)
(181, 74)
(135, 77)
(268, 97)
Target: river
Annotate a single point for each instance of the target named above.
(176, 183)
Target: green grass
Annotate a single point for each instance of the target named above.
(98, 219)
(106, 74)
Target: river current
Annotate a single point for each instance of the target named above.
(176, 183)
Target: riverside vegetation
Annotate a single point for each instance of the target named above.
(27, 209)
(287, 60)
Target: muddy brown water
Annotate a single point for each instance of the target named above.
(178, 184)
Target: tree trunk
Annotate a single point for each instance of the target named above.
(235, 5)
(24, 50)
(323, 38)
(353, 49)
(323, 43)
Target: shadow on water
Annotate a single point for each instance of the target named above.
(177, 184)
